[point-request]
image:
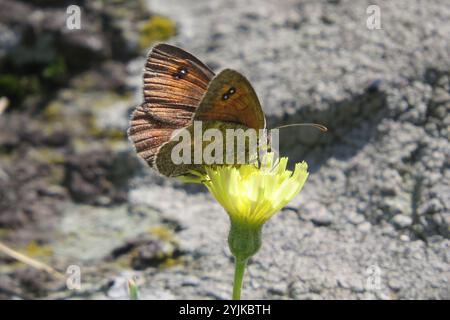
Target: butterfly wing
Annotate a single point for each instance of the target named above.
(174, 84)
(231, 98)
(164, 161)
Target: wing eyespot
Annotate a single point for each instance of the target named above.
(180, 73)
(229, 93)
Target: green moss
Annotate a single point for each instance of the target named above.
(162, 232)
(107, 99)
(9, 83)
(85, 82)
(33, 249)
(53, 112)
(80, 144)
(157, 28)
(111, 134)
(55, 69)
(93, 129)
(13, 86)
(56, 175)
(5, 232)
(48, 155)
(172, 262)
(116, 134)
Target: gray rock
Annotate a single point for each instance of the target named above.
(364, 227)
(322, 219)
(382, 164)
(402, 221)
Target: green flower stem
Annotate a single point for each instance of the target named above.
(244, 241)
(239, 269)
(133, 290)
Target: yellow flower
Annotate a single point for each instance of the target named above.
(253, 193)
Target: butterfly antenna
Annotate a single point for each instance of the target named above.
(314, 125)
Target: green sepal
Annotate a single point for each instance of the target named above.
(244, 238)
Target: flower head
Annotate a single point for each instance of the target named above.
(253, 193)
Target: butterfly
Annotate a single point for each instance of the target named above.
(178, 90)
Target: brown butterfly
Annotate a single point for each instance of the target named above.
(178, 89)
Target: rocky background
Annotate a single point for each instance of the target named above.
(372, 221)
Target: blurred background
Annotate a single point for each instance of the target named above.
(372, 221)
